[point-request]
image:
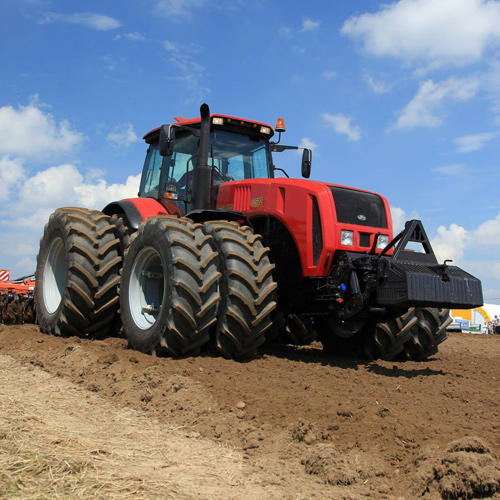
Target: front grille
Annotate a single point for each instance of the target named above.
(364, 240)
(359, 207)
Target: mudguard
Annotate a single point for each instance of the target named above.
(138, 210)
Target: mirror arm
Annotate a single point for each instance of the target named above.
(275, 148)
(281, 170)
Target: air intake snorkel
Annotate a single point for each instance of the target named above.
(202, 174)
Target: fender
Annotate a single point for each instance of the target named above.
(137, 210)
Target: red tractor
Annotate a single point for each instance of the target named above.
(216, 251)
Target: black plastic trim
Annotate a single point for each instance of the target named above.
(128, 208)
(203, 215)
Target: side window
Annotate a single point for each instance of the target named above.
(260, 164)
(236, 167)
(151, 173)
(182, 163)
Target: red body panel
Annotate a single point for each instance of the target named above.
(149, 207)
(291, 202)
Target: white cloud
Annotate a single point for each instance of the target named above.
(27, 132)
(135, 36)
(444, 32)
(453, 169)
(475, 142)
(307, 143)
(451, 243)
(285, 32)
(379, 87)
(178, 8)
(309, 25)
(424, 109)
(342, 125)
(190, 74)
(399, 218)
(101, 193)
(64, 185)
(123, 135)
(11, 175)
(169, 46)
(488, 233)
(86, 19)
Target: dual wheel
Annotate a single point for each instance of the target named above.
(185, 285)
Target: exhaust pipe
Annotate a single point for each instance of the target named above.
(202, 174)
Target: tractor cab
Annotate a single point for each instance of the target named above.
(237, 150)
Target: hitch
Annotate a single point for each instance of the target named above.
(443, 270)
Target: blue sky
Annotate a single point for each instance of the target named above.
(401, 98)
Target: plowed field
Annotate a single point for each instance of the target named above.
(94, 419)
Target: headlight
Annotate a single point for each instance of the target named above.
(382, 241)
(346, 238)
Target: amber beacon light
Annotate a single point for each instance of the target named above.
(280, 125)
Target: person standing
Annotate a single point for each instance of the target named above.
(495, 325)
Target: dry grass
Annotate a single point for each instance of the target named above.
(60, 442)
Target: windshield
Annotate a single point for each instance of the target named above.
(232, 156)
(238, 156)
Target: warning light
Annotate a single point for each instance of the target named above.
(280, 125)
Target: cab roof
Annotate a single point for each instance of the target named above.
(232, 121)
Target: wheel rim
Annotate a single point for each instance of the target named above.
(145, 294)
(54, 275)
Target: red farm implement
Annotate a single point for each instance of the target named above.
(16, 300)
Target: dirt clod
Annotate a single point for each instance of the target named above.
(337, 468)
(465, 470)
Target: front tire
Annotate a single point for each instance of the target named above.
(77, 274)
(427, 332)
(370, 341)
(169, 288)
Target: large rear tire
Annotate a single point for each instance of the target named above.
(169, 288)
(248, 291)
(370, 341)
(77, 274)
(427, 332)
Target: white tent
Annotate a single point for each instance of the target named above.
(479, 315)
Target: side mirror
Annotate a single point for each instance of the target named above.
(167, 140)
(306, 163)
